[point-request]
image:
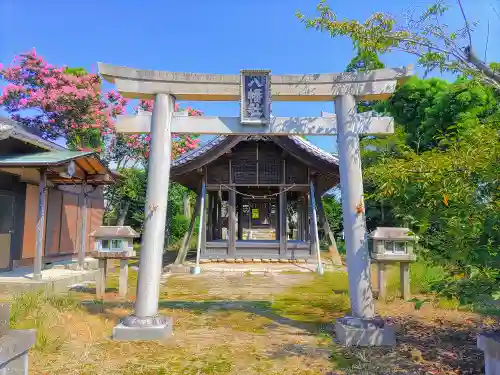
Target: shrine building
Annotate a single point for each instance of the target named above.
(258, 203)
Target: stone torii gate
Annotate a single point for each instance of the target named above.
(255, 118)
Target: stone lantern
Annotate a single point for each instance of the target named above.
(393, 245)
(113, 242)
(114, 239)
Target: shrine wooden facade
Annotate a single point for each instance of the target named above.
(258, 195)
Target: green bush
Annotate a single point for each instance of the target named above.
(341, 246)
(178, 226)
(423, 276)
(480, 285)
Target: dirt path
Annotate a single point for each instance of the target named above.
(260, 324)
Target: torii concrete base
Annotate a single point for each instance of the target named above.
(160, 332)
(489, 343)
(351, 331)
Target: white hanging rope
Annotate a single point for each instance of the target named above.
(257, 196)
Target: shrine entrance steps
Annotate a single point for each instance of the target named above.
(252, 268)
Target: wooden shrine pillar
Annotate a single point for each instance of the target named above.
(208, 217)
(231, 219)
(214, 214)
(231, 224)
(282, 221)
(202, 234)
(215, 217)
(40, 226)
(239, 204)
(203, 220)
(303, 207)
(312, 226)
(299, 218)
(219, 217)
(282, 207)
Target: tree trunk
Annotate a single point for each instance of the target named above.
(187, 205)
(333, 250)
(181, 255)
(123, 214)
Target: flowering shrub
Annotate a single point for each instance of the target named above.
(68, 103)
(58, 102)
(180, 143)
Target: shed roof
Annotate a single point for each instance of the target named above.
(88, 166)
(114, 232)
(13, 129)
(387, 233)
(41, 159)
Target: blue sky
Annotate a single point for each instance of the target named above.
(217, 36)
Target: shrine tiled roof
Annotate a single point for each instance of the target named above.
(199, 151)
(219, 140)
(314, 150)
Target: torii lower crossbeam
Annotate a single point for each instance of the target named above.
(365, 123)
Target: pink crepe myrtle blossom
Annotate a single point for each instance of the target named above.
(72, 106)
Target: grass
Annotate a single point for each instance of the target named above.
(234, 324)
(41, 312)
(215, 362)
(112, 280)
(320, 301)
(422, 276)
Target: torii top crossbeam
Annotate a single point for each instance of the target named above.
(144, 84)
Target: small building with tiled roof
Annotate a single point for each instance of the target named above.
(30, 164)
(258, 194)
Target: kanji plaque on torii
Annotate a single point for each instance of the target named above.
(255, 99)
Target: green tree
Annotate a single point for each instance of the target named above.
(333, 213)
(449, 197)
(427, 36)
(434, 112)
(362, 62)
(438, 173)
(127, 195)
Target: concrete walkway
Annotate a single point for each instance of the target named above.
(55, 279)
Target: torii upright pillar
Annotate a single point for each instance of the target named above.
(145, 323)
(358, 259)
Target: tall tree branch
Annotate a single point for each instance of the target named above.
(487, 40)
(467, 26)
(485, 69)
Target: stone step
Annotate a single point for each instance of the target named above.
(90, 263)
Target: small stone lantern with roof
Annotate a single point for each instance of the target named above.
(114, 239)
(393, 245)
(113, 242)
